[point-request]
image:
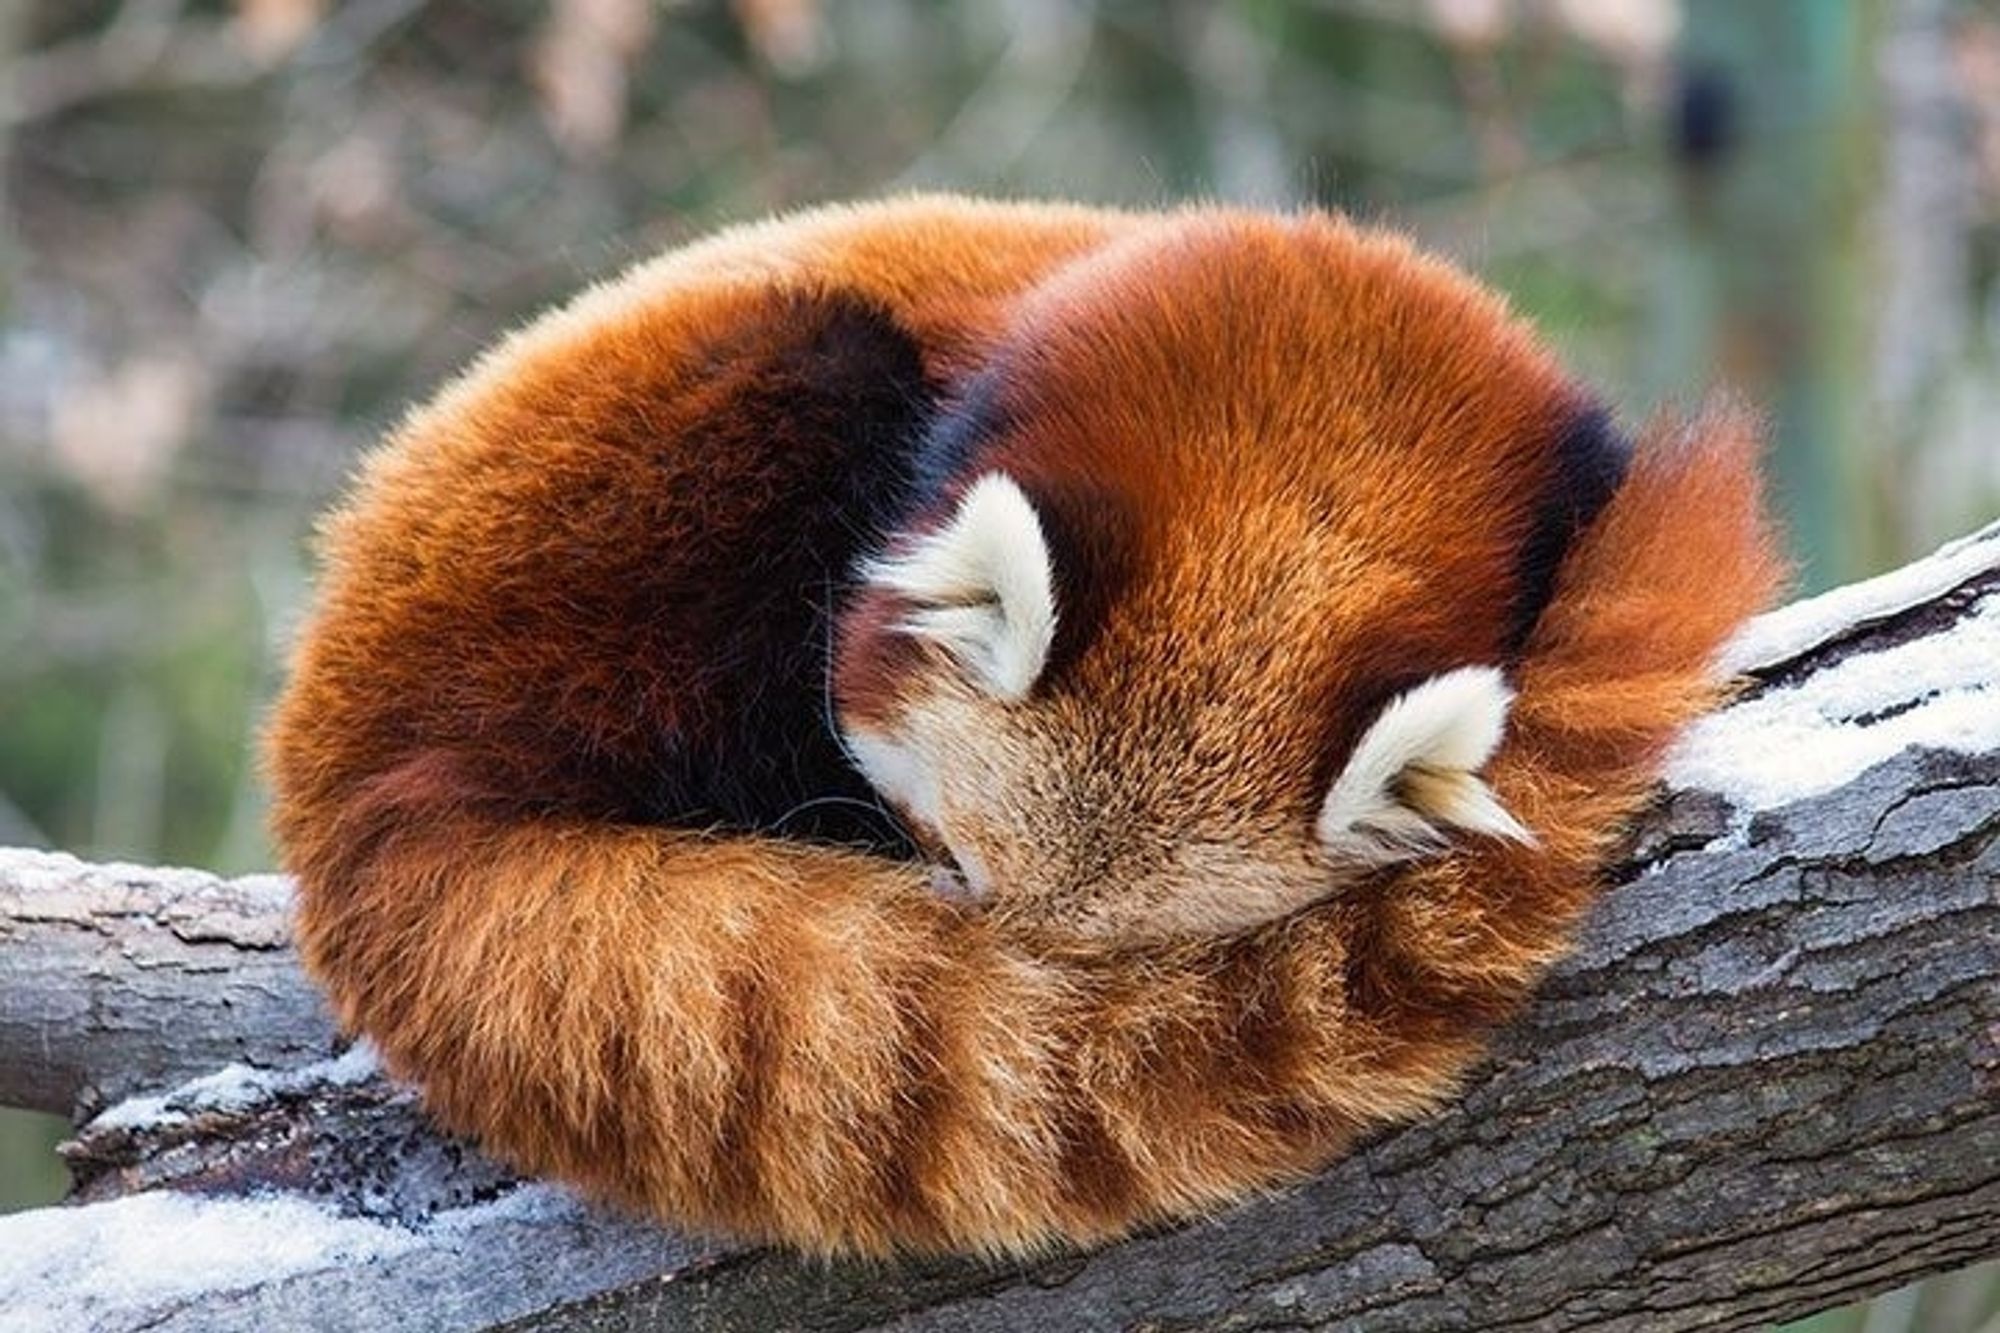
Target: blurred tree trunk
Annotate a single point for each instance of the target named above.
(1771, 293)
(1923, 223)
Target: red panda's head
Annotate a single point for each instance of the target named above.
(1233, 544)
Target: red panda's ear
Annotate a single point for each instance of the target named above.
(1414, 774)
(981, 587)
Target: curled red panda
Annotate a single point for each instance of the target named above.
(948, 725)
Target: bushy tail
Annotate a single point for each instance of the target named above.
(794, 1043)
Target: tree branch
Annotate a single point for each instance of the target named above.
(122, 978)
(1767, 1082)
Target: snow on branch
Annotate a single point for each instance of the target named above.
(1767, 1082)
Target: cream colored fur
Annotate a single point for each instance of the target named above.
(982, 587)
(1414, 774)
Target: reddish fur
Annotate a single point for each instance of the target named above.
(787, 1041)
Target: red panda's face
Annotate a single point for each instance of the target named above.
(1169, 783)
(1216, 621)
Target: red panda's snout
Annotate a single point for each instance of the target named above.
(1144, 798)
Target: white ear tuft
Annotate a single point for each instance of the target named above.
(1414, 773)
(982, 586)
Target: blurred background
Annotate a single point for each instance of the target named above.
(236, 239)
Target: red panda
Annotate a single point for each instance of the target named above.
(962, 726)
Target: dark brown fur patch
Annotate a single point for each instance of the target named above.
(1591, 457)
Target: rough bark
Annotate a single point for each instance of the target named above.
(1767, 1082)
(122, 978)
